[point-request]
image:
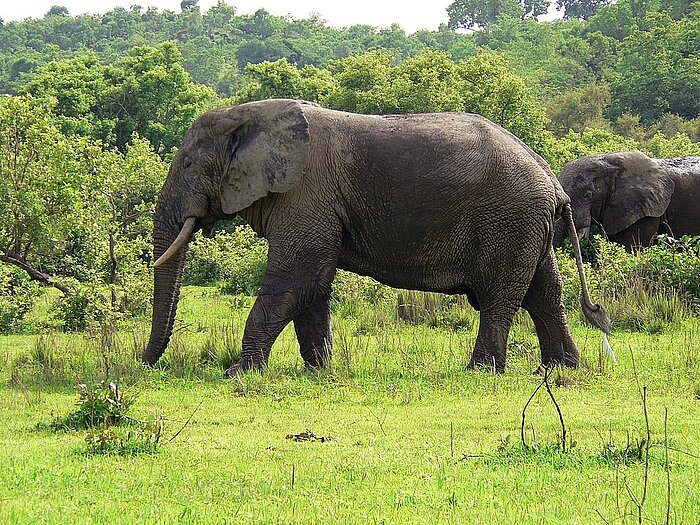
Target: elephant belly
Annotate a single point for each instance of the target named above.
(431, 267)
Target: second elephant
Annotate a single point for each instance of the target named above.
(633, 197)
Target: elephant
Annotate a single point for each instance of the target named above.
(442, 202)
(633, 197)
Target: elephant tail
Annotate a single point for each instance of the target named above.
(594, 313)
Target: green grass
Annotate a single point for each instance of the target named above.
(419, 438)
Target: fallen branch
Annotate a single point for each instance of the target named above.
(15, 259)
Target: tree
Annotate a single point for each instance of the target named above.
(57, 10)
(281, 79)
(492, 90)
(658, 70)
(483, 84)
(579, 109)
(40, 185)
(583, 9)
(148, 92)
(156, 97)
(81, 90)
(188, 5)
(471, 14)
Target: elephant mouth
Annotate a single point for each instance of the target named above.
(583, 233)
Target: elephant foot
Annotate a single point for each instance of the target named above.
(570, 362)
(316, 358)
(242, 365)
(487, 363)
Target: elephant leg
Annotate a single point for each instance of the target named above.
(495, 321)
(273, 309)
(295, 283)
(640, 235)
(543, 301)
(313, 329)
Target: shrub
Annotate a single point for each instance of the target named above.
(236, 260)
(671, 266)
(349, 287)
(99, 405)
(17, 296)
(87, 304)
(649, 289)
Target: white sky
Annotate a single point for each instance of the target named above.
(410, 15)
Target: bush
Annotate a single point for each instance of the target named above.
(17, 296)
(87, 304)
(236, 260)
(349, 287)
(649, 289)
(671, 266)
(99, 405)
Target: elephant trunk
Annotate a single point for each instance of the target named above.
(166, 290)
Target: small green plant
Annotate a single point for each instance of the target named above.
(101, 404)
(631, 453)
(129, 442)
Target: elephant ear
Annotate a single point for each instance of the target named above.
(641, 190)
(267, 151)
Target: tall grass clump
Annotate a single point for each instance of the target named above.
(646, 290)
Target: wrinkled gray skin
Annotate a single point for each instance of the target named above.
(633, 197)
(438, 202)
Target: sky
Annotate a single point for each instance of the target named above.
(411, 16)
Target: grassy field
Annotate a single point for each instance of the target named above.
(414, 437)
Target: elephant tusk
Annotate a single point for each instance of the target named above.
(181, 238)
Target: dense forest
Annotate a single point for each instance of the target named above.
(96, 104)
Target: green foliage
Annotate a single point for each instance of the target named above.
(470, 14)
(87, 305)
(678, 146)
(581, 8)
(429, 82)
(147, 91)
(579, 109)
(99, 405)
(17, 297)
(651, 289)
(281, 79)
(574, 145)
(657, 70)
(42, 176)
(351, 292)
(237, 260)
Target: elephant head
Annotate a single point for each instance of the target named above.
(614, 190)
(229, 159)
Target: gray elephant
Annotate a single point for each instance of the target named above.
(632, 196)
(438, 202)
